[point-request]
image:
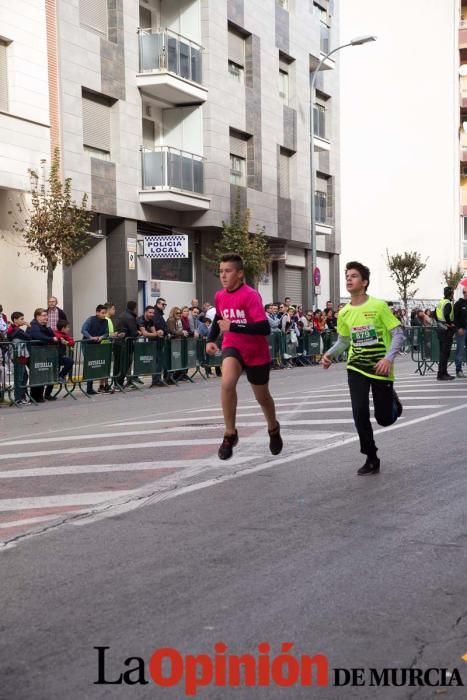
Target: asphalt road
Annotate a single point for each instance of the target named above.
(147, 545)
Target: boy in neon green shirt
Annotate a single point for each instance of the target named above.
(373, 337)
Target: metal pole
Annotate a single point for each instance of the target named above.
(313, 169)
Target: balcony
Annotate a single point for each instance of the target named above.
(173, 179)
(170, 68)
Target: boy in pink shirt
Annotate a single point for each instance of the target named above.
(241, 317)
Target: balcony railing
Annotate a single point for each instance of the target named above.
(169, 52)
(164, 167)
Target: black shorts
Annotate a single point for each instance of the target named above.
(256, 374)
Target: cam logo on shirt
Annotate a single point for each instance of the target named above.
(234, 315)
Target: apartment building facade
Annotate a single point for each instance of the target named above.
(171, 114)
(462, 44)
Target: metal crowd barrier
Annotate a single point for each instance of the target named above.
(424, 348)
(119, 363)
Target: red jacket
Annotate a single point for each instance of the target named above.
(64, 336)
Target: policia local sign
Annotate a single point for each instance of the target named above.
(175, 246)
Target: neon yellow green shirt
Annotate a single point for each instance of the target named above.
(368, 326)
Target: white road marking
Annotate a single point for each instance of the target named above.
(152, 498)
(64, 501)
(32, 521)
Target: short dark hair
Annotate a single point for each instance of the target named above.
(362, 269)
(196, 307)
(448, 291)
(100, 307)
(159, 299)
(16, 314)
(39, 312)
(131, 305)
(108, 305)
(62, 323)
(234, 258)
(148, 307)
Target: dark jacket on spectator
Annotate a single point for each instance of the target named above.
(15, 333)
(460, 313)
(160, 323)
(95, 327)
(43, 333)
(126, 323)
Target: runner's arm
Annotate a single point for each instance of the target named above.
(214, 330)
(341, 345)
(397, 341)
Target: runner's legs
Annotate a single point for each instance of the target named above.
(231, 371)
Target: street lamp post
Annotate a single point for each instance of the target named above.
(358, 41)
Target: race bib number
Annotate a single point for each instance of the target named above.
(363, 336)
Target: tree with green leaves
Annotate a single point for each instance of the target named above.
(405, 268)
(236, 238)
(453, 277)
(53, 226)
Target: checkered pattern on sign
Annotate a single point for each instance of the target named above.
(177, 243)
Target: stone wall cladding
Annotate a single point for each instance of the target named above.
(103, 186)
(236, 12)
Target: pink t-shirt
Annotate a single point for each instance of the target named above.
(244, 305)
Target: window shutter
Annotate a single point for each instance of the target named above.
(94, 14)
(96, 123)
(294, 284)
(3, 78)
(236, 48)
(238, 147)
(145, 18)
(321, 184)
(284, 175)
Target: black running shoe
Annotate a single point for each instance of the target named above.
(371, 466)
(445, 377)
(275, 440)
(228, 443)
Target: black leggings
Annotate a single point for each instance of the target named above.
(384, 407)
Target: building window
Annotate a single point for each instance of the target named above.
(176, 270)
(236, 48)
(319, 120)
(284, 86)
(96, 125)
(236, 72)
(320, 207)
(237, 170)
(284, 174)
(238, 158)
(3, 77)
(93, 14)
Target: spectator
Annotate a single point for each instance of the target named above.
(19, 338)
(287, 302)
(128, 328)
(415, 319)
(159, 320)
(65, 362)
(174, 323)
(329, 307)
(195, 302)
(204, 327)
(194, 318)
(54, 313)
(306, 321)
(299, 312)
(273, 317)
(41, 332)
(185, 318)
(331, 322)
(94, 330)
(176, 330)
(319, 321)
(148, 330)
(207, 305)
(282, 310)
(3, 324)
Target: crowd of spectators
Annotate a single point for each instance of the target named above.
(50, 326)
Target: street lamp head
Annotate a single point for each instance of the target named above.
(359, 40)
